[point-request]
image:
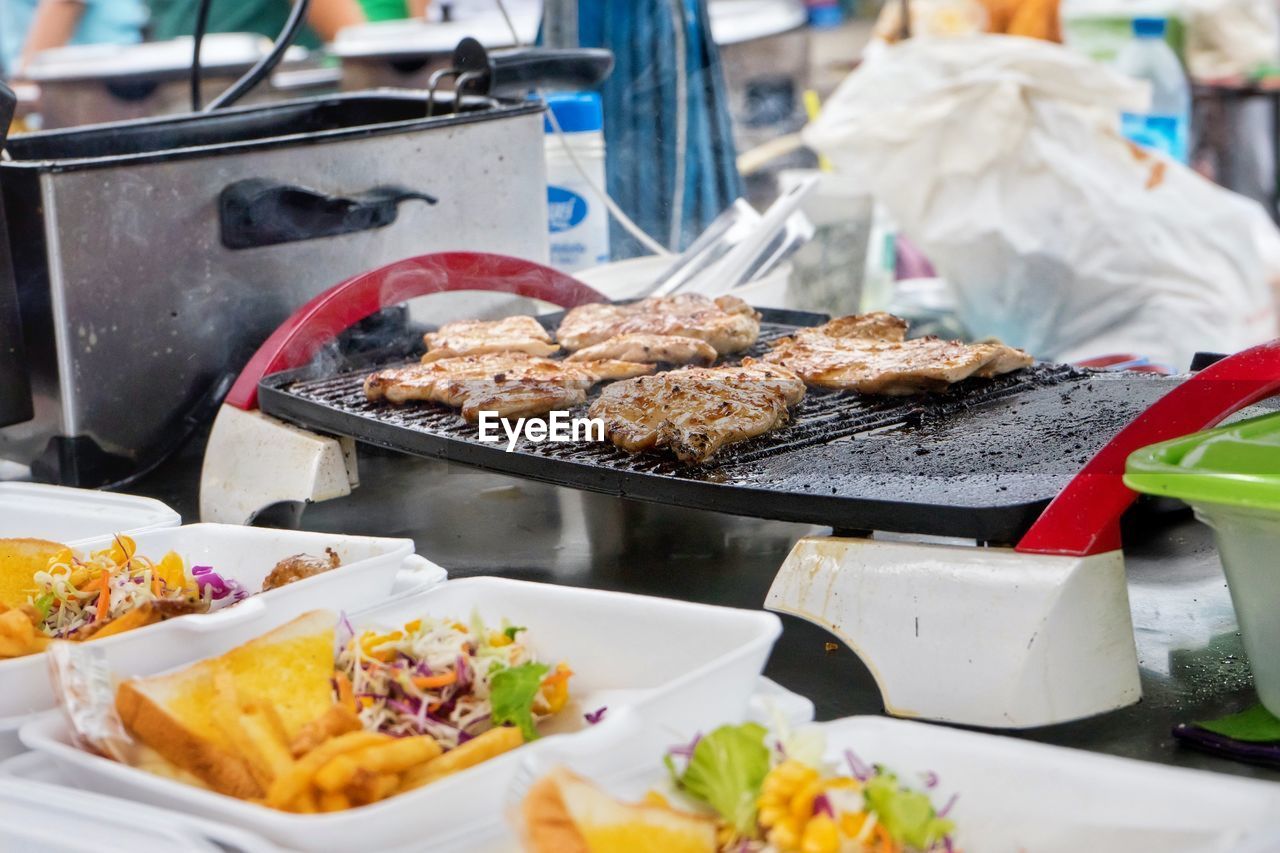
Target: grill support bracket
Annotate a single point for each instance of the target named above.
(975, 636)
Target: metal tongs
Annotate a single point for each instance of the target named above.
(740, 246)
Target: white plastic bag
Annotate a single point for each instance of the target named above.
(1231, 38)
(999, 158)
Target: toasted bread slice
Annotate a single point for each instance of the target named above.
(289, 668)
(564, 813)
(20, 559)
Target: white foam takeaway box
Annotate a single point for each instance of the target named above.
(681, 666)
(1006, 795)
(369, 573)
(71, 516)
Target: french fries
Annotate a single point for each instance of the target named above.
(394, 757)
(338, 720)
(297, 780)
(18, 634)
(475, 751)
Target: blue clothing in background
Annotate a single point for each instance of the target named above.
(103, 22)
(640, 106)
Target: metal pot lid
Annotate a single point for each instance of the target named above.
(161, 60)
(423, 38)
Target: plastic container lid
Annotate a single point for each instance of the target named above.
(1149, 27)
(1236, 465)
(71, 516)
(575, 112)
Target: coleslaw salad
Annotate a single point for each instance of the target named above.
(448, 679)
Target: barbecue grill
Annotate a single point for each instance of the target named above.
(979, 463)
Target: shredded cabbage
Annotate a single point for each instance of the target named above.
(69, 591)
(437, 677)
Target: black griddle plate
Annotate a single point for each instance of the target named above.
(979, 461)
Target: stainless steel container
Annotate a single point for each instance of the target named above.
(151, 258)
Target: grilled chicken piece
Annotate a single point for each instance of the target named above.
(697, 410)
(876, 326)
(300, 567)
(727, 323)
(478, 337)
(647, 349)
(511, 384)
(843, 354)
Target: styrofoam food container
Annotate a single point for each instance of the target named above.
(679, 665)
(71, 516)
(32, 801)
(246, 554)
(633, 278)
(1010, 794)
(35, 781)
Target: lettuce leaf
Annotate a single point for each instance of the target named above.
(1255, 725)
(907, 815)
(726, 772)
(511, 693)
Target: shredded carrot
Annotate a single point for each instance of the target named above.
(346, 696)
(428, 682)
(155, 585)
(104, 598)
(886, 840)
(434, 706)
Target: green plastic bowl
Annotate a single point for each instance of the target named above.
(1231, 478)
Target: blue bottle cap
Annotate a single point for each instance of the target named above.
(825, 15)
(576, 112)
(1151, 27)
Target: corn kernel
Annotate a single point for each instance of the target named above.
(820, 836)
(785, 836)
(802, 801)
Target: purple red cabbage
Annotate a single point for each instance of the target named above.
(930, 780)
(822, 806)
(593, 717)
(686, 751)
(402, 707)
(348, 631)
(859, 769)
(942, 812)
(219, 588)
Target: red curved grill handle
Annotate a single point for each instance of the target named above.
(1084, 518)
(313, 325)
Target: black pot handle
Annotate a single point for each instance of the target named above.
(260, 212)
(515, 71)
(15, 382)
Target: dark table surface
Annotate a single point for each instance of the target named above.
(476, 523)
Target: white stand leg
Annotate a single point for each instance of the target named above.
(253, 461)
(969, 635)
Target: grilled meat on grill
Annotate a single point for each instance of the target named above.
(647, 349)
(876, 326)
(727, 323)
(511, 384)
(698, 410)
(845, 354)
(478, 337)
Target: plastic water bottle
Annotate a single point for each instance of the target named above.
(1166, 124)
(577, 217)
